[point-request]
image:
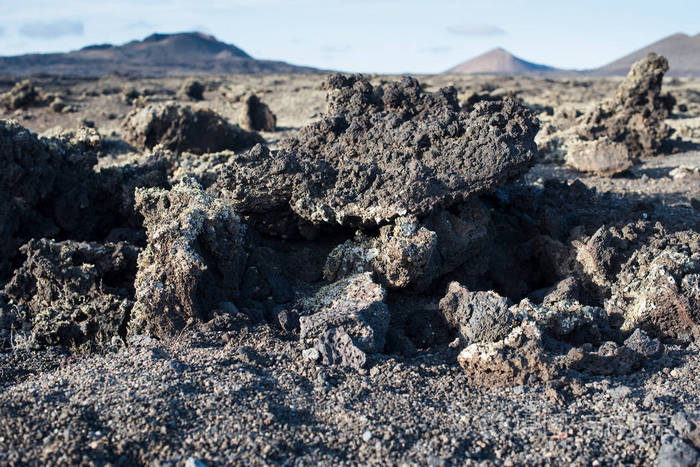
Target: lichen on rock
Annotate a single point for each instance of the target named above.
(193, 261)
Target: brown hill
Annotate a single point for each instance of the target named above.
(681, 50)
(156, 55)
(499, 61)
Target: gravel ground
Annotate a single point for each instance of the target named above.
(249, 397)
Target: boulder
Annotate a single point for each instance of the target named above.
(182, 128)
(256, 115)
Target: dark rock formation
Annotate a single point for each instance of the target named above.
(256, 115)
(194, 259)
(516, 359)
(23, 94)
(635, 116)
(649, 276)
(48, 188)
(192, 89)
(181, 128)
(477, 316)
(74, 291)
(382, 153)
(354, 307)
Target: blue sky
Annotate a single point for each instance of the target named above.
(384, 36)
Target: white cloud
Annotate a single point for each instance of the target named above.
(52, 29)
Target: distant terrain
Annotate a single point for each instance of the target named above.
(499, 61)
(157, 55)
(681, 50)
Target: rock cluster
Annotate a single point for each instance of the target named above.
(522, 278)
(619, 131)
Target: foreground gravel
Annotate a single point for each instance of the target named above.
(247, 396)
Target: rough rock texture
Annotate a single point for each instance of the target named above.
(40, 189)
(513, 360)
(48, 188)
(23, 94)
(646, 275)
(609, 359)
(194, 259)
(618, 131)
(567, 320)
(182, 128)
(599, 156)
(357, 305)
(394, 150)
(403, 255)
(411, 255)
(192, 89)
(259, 185)
(477, 316)
(256, 115)
(74, 291)
(635, 116)
(386, 152)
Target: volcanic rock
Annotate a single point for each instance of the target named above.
(411, 255)
(382, 153)
(395, 150)
(256, 115)
(194, 259)
(355, 304)
(74, 291)
(645, 274)
(600, 156)
(192, 90)
(181, 128)
(477, 316)
(403, 255)
(23, 94)
(609, 359)
(512, 360)
(635, 116)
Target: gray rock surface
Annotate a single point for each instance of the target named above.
(193, 261)
(181, 128)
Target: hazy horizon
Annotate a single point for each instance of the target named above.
(385, 36)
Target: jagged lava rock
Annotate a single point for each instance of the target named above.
(382, 153)
(404, 254)
(194, 259)
(49, 188)
(411, 255)
(512, 360)
(635, 116)
(477, 316)
(182, 128)
(356, 304)
(75, 291)
(23, 94)
(256, 115)
(645, 274)
(192, 89)
(600, 156)
(394, 150)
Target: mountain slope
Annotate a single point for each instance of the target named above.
(499, 61)
(681, 50)
(156, 55)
